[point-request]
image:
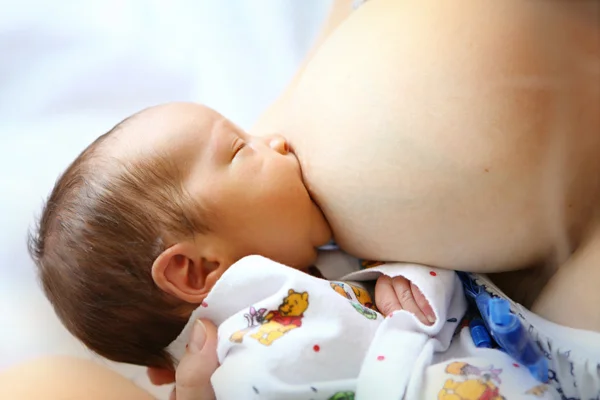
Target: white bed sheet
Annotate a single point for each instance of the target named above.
(70, 70)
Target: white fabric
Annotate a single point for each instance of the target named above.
(334, 264)
(573, 354)
(335, 345)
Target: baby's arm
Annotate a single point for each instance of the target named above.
(422, 291)
(404, 344)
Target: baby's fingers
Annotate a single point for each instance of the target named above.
(385, 296)
(403, 289)
(423, 303)
(396, 293)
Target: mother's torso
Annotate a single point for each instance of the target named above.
(458, 134)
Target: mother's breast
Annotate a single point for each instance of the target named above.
(426, 132)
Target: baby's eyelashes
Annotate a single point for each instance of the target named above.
(239, 145)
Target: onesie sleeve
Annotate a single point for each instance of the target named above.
(403, 347)
(442, 289)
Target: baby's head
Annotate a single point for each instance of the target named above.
(143, 223)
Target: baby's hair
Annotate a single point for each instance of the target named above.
(101, 229)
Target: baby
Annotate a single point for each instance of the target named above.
(139, 230)
(144, 222)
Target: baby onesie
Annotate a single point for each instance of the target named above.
(284, 334)
(573, 355)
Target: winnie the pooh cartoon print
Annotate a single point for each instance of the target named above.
(361, 295)
(254, 318)
(476, 383)
(538, 390)
(361, 301)
(275, 323)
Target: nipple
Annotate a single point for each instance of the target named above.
(280, 145)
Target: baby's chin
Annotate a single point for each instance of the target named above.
(322, 233)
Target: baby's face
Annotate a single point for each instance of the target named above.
(251, 187)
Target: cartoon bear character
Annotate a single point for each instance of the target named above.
(478, 383)
(363, 297)
(286, 318)
(538, 391)
(470, 389)
(458, 368)
(464, 369)
(339, 289)
(238, 336)
(361, 301)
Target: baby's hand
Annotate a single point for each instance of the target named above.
(392, 294)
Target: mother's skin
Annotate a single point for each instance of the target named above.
(461, 134)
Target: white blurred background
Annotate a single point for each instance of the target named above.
(70, 70)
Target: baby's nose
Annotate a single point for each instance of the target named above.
(279, 144)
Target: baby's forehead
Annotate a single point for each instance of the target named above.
(166, 129)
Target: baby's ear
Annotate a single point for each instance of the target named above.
(182, 271)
